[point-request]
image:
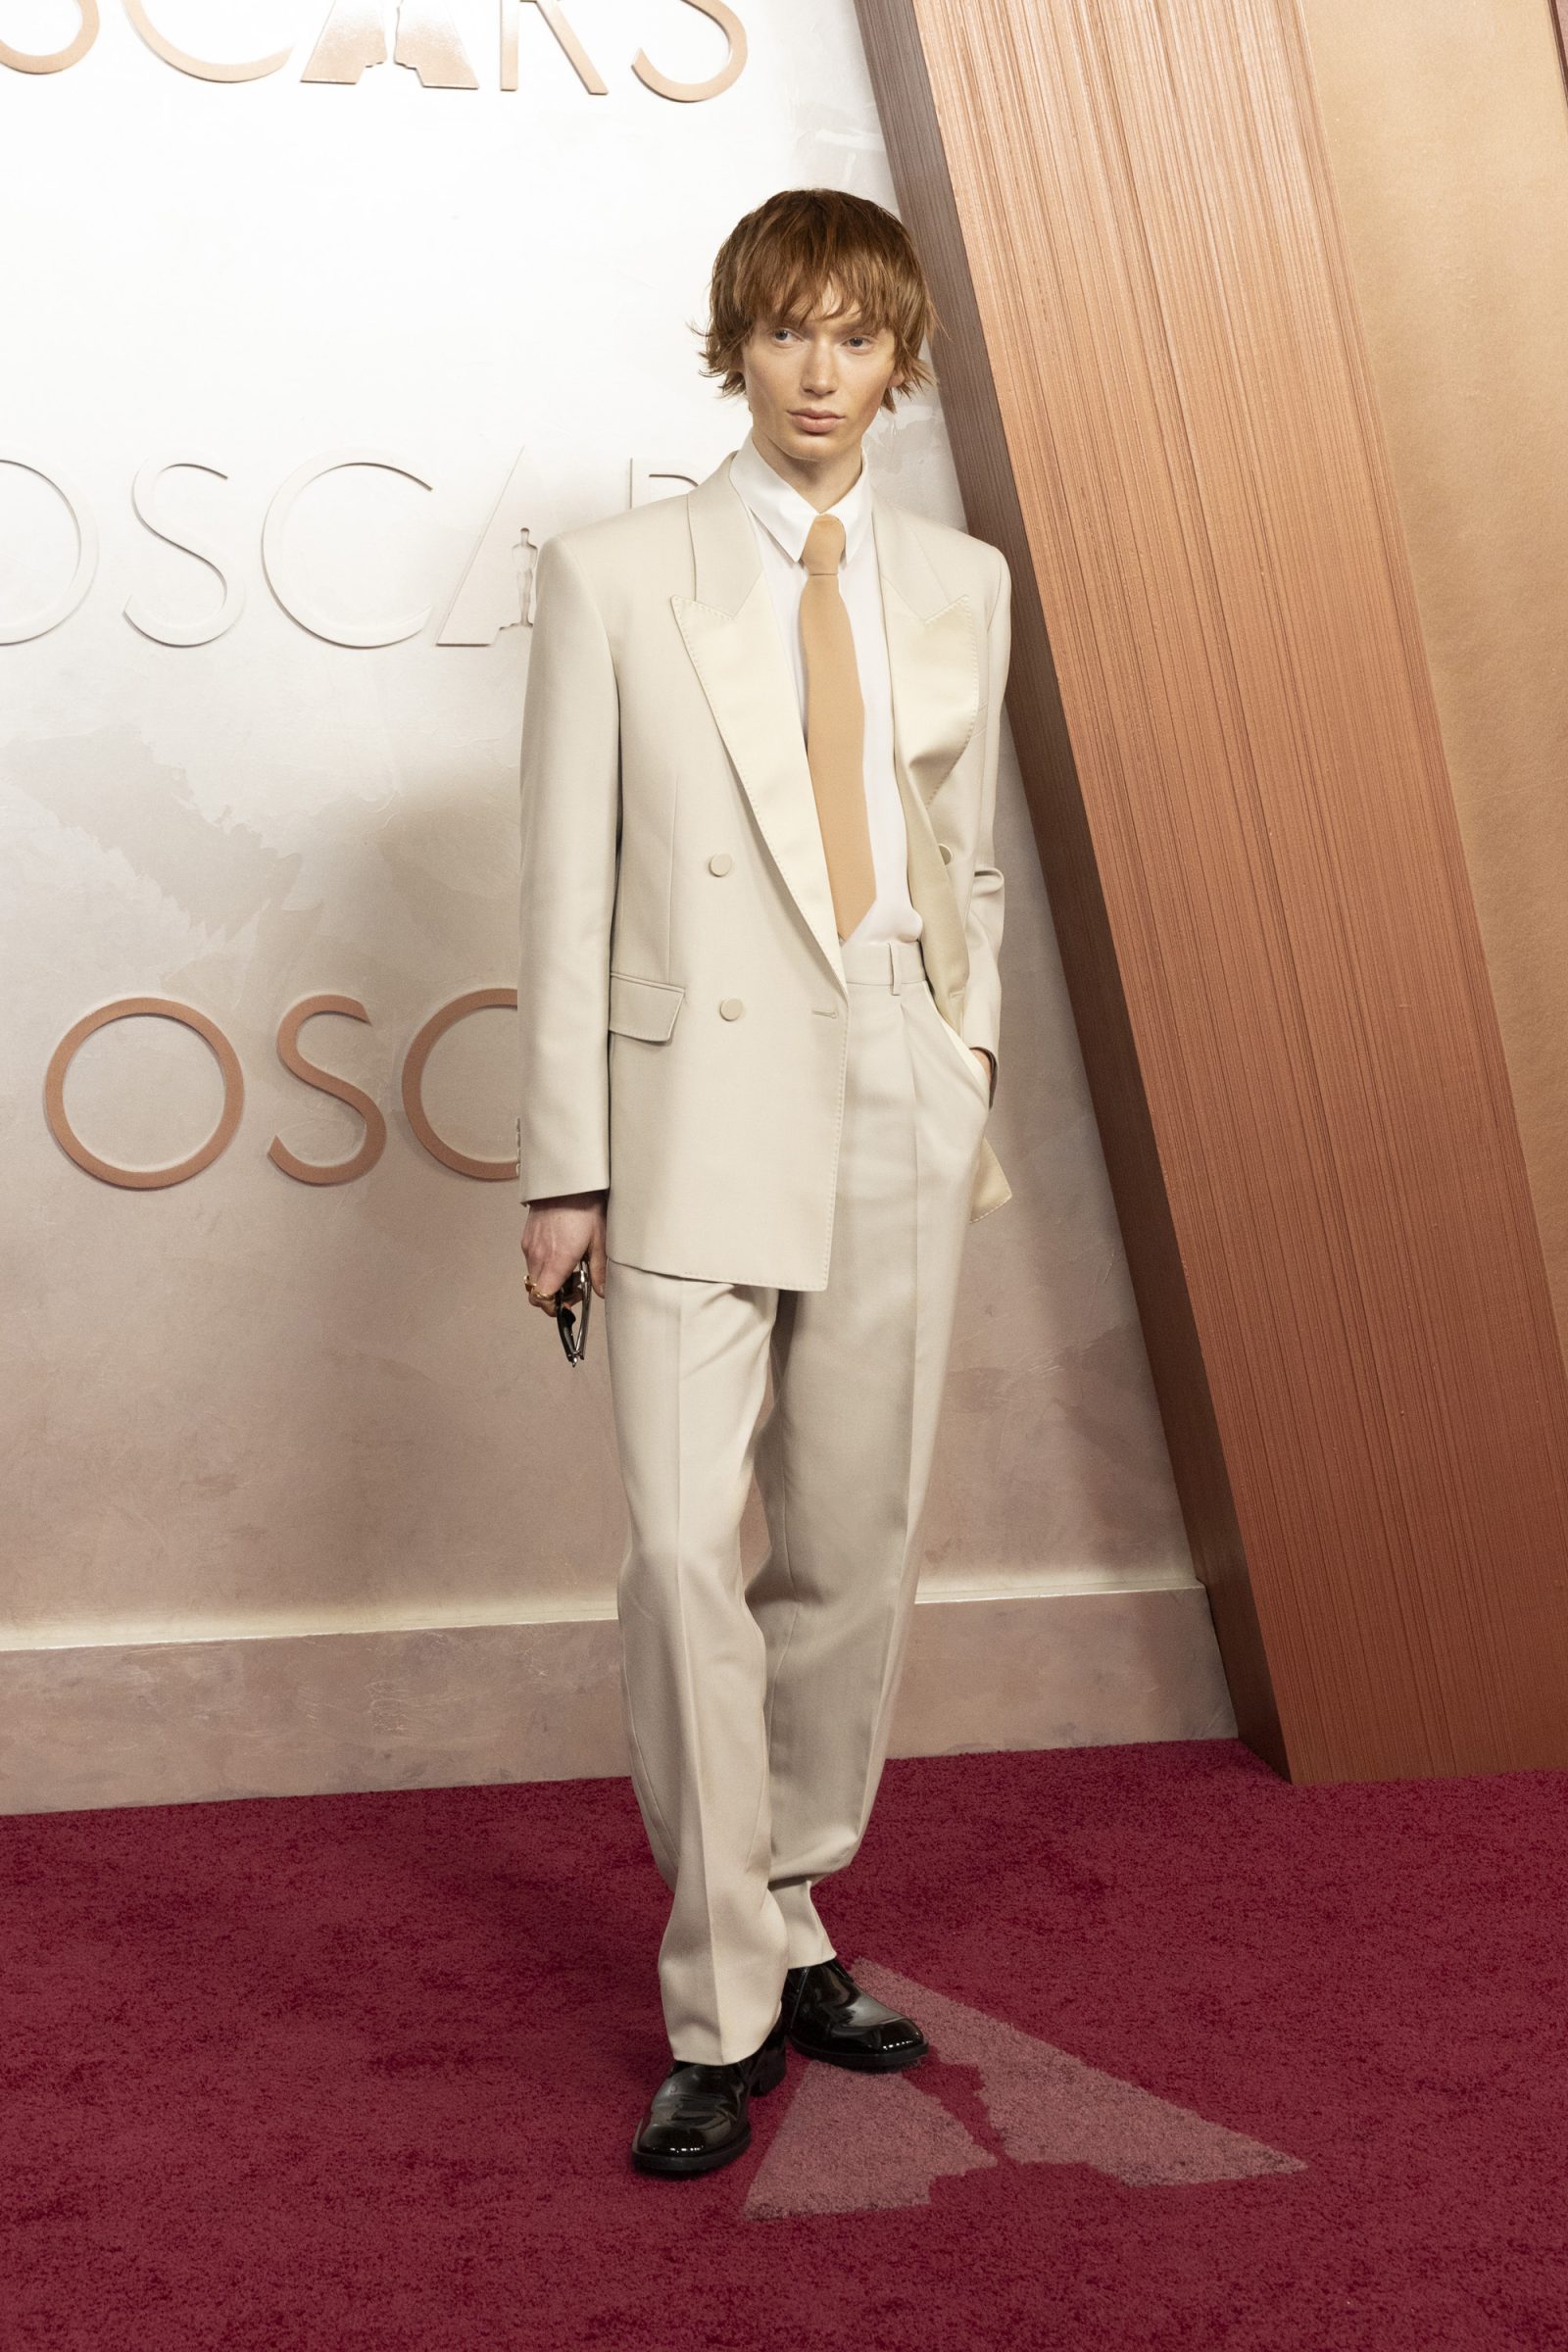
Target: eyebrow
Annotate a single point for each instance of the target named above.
(855, 323)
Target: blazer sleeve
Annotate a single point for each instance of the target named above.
(571, 786)
(982, 999)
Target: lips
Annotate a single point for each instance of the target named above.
(816, 416)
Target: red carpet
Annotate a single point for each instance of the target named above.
(1218, 2063)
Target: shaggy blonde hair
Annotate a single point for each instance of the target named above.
(778, 261)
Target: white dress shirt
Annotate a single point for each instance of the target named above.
(781, 519)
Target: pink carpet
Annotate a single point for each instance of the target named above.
(1219, 2064)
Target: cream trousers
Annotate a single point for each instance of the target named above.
(758, 1712)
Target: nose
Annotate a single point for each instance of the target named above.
(818, 378)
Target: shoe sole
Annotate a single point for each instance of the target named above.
(681, 2168)
(864, 2061)
(769, 2075)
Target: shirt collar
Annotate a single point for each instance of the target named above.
(781, 510)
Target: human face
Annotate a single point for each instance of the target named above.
(813, 385)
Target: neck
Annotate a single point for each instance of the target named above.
(822, 484)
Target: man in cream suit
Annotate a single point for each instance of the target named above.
(760, 1016)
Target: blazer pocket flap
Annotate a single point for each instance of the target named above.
(643, 1007)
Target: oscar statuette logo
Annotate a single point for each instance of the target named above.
(492, 592)
(427, 41)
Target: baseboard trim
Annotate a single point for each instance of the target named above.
(296, 1714)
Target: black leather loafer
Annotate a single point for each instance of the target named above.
(827, 2016)
(700, 2115)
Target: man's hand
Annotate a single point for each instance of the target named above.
(555, 1235)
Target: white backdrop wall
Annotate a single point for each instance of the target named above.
(243, 1408)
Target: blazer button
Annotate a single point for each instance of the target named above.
(732, 1008)
(720, 862)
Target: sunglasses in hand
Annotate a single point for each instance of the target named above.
(571, 1303)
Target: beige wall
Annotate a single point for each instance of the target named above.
(247, 1409)
(1448, 128)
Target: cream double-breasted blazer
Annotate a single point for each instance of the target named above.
(682, 1009)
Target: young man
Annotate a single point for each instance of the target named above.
(760, 1012)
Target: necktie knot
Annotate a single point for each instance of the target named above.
(824, 544)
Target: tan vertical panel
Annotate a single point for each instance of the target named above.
(1448, 131)
(1159, 406)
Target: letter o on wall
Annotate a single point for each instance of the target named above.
(143, 1179)
(50, 615)
(24, 61)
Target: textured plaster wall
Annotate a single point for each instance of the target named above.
(243, 1403)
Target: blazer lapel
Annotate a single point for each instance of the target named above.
(731, 633)
(934, 661)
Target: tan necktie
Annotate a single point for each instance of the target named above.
(835, 727)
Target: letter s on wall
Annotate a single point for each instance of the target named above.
(731, 71)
